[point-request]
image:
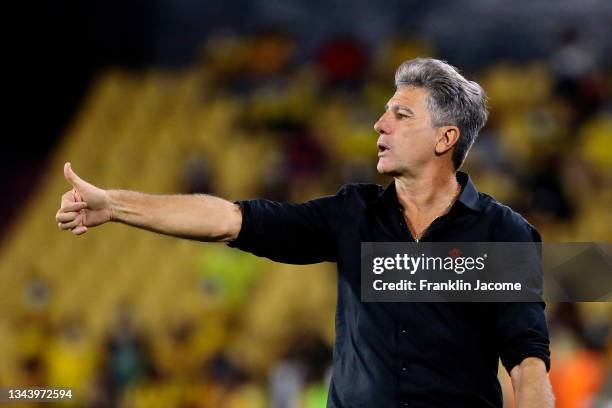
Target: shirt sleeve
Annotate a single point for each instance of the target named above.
(522, 327)
(524, 333)
(291, 233)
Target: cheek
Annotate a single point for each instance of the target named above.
(422, 138)
(416, 147)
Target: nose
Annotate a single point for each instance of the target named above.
(381, 126)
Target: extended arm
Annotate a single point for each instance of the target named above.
(531, 384)
(199, 217)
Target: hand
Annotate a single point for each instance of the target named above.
(82, 207)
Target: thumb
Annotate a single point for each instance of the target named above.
(72, 177)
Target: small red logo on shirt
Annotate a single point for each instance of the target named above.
(455, 253)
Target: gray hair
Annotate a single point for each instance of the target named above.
(453, 100)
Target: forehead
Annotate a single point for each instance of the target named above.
(412, 97)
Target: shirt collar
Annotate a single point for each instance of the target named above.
(468, 197)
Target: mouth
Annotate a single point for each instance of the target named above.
(382, 148)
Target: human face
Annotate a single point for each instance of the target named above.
(407, 139)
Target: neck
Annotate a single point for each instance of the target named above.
(428, 191)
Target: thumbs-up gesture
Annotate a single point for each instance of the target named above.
(84, 206)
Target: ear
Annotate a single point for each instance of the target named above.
(447, 138)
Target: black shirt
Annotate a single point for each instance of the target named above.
(404, 354)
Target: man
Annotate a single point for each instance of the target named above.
(386, 354)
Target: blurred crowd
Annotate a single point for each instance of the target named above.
(291, 130)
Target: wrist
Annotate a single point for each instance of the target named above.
(112, 205)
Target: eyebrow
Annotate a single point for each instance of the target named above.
(398, 107)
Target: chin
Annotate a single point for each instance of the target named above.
(380, 168)
(384, 169)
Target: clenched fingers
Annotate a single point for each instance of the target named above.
(66, 216)
(81, 229)
(69, 225)
(67, 198)
(77, 206)
(69, 213)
